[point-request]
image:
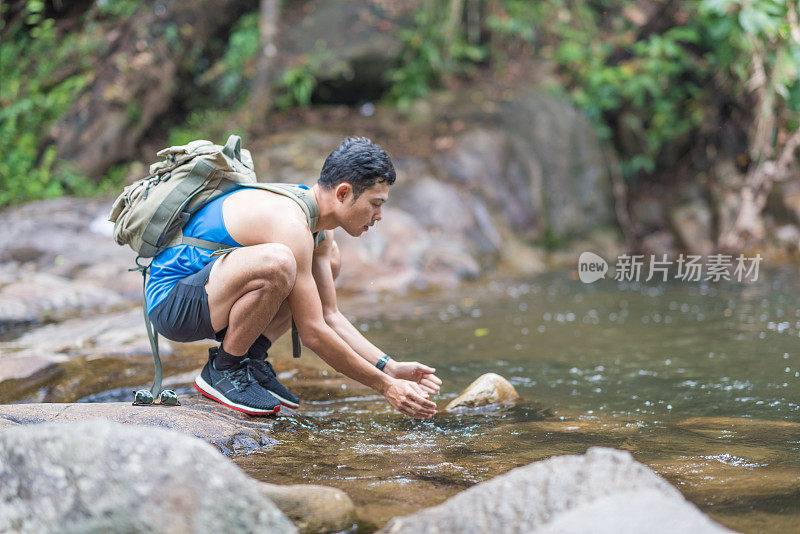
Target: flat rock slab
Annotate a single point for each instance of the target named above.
(230, 431)
(62, 237)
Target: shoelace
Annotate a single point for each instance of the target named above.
(240, 377)
(262, 365)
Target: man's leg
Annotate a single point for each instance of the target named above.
(257, 354)
(245, 290)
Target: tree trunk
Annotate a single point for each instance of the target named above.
(259, 102)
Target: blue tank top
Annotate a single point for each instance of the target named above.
(180, 261)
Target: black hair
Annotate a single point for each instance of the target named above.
(359, 162)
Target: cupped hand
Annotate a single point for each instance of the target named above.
(409, 398)
(415, 372)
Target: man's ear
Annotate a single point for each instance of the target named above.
(342, 191)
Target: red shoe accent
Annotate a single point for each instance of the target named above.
(258, 414)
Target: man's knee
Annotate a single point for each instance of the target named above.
(276, 268)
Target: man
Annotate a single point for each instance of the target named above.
(279, 269)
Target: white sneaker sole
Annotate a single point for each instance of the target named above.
(207, 390)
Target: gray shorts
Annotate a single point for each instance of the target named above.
(184, 315)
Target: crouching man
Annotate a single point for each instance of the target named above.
(281, 268)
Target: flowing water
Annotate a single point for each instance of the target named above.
(698, 381)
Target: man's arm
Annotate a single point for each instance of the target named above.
(316, 334)
(321, 270)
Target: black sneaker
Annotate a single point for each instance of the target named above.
(235, 388)
(263, 372)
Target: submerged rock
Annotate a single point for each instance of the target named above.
(487, 389)
(603, 491)
(99, 476)
(312, 508)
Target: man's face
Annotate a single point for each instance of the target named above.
(357, 216)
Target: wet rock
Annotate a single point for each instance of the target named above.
(106, 477)
(229, 430)
(312, 508)
(692, 222)
(602, 491)
(487, 389)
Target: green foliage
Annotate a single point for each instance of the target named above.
(116, 8)
(515, 22)
(229, 75)
(296, 87)
(649, 93)
(42, 74)
(761, 27)
(434, 49)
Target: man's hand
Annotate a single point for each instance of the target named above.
(415, 372)
(409, 398)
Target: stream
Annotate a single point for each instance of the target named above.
(697, 380)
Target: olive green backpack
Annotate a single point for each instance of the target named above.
(150, 213)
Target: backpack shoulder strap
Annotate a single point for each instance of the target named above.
(301, 194)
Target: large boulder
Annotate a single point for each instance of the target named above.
(98, 476)
(604, 491)
(539, 165)
(398, 255)
(693, 224)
